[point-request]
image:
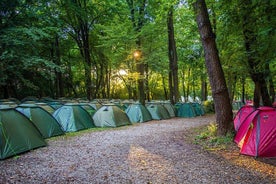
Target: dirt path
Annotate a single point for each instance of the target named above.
(152, 152)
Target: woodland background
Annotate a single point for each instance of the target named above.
(85, 48)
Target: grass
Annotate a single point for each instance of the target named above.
(207, 137)
(69, 135)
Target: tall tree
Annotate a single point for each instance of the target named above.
(257, 74)
(78, 18)
(173, 71)
(137, 16)
(55, 52)
(25, 24)
(220, 94)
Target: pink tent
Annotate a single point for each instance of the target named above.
(241, 115)
(244, 126)
(257, 134)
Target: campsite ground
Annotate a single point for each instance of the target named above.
(230, 152)
(153, 152)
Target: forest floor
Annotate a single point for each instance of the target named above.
(163, 151)
(230, 152)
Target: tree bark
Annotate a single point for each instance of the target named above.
(59, 79)
(203, 89)
(183, 82)
(173, 72)
(250, 40)
(138, 23)
(87, 58)
(79, 22)
(164, 87)
(147, 83)
(243, 89)
(220, 94)
(188, 85)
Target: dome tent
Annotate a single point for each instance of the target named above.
(110, 115)
(185, 110)
(46, 107)
(43, 120)
(89, 108)
(256, 135)
(198, 109)
(241, 115)
(95, 104)
(9, 104)
(17, 133)
(158, 111)
(169, 108)
(55, 104)
(72, 118)
(138, 113)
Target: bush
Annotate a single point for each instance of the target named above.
(209, 106)
(209, 139)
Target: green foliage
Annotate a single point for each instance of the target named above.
(22, 46)
(229, 20)
(30, 60)
(209, 106)
(208, 138)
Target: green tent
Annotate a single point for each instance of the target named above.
(89, 108)
(185, 110)
(138, 113)
(96, 105)
(9, 104)
(198, 109)
(17, 133)
(120, 105)
(158, 111)
(55, 105)
(110, 115)
(169, 108)
(46, 107)
(127, 103)
(72, 118)
(43, 120)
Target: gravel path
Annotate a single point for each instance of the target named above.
(153, 152)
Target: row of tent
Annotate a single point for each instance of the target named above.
(256, 131)
(24, 126)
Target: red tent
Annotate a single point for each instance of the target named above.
(257, 134)
(242, 114)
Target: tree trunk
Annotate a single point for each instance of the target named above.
(193, 88)
(188, 85)
(87, 58)
(164, 88)
(250, 40)
(271, 89)
(79, 23)
(243, 90)
(147, 83)
(203, 89)
(138, 23)
(231, 86)
(70, 82)
(59, 79)
(173, 71)
(5, 91)
(183, 83)
(170, 81)
(220, 94)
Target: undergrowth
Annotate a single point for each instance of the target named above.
(207, 137)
